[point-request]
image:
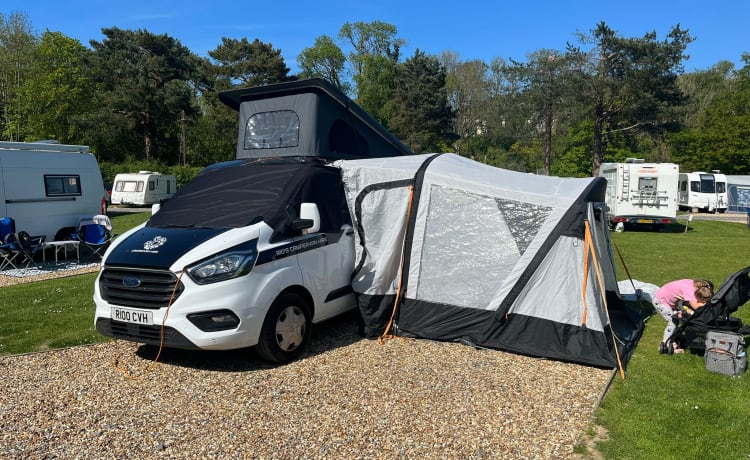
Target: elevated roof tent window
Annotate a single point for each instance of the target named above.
(270, 130)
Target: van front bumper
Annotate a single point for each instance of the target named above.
(150, 335)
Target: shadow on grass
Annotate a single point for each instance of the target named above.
(658, 228)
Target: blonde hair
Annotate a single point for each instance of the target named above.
(703, 283)
(704, 290)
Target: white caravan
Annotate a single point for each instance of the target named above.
(700, 191)
(142, 188)
(641, 193)
(48, 187)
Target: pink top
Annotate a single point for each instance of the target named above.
(673, 291)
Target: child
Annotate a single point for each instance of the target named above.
(694, 294)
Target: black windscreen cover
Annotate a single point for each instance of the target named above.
(239, 193)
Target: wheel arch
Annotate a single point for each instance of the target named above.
(302, 292)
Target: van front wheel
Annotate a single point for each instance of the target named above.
(286, 329)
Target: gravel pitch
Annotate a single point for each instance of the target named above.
(347, 398)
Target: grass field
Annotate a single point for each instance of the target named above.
(667, 407)
(671, 406)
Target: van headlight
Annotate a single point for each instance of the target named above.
(233, 262)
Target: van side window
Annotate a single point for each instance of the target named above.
(270, 130)
(343, 138)
(62, 185)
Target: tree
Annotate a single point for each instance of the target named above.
(546, 86)
(468, 96)
(143, 88)
(419, 110)
(633, 85)
(17, 53)
(702, 87)
(720, 137)
(324, 60)
(56, 92)
(246, 64)
(375, 53)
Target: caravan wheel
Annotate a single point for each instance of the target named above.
(286, 329)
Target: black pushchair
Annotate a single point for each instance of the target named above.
(691, 330)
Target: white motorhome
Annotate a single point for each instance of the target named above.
(142, 188)
(48, 187)
(701, 191)
(640, 193)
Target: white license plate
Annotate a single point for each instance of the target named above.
(132, 316)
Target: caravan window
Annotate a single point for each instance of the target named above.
(707, 183)
(59, 185)
(721, 187)
(270, 130)
(151, 185)
(129, 186)
(647, 184)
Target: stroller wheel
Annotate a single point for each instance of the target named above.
(666, 348)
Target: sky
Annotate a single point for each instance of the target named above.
(473, 29)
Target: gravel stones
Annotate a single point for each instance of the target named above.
(345, 398)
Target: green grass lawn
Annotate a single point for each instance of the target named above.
(667, 407)
(671, 406)
(54, 313)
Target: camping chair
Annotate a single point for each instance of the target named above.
(95, 234)
(7, 252)
(8, 256)
(18, 248)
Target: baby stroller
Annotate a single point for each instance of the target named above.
(691, 330)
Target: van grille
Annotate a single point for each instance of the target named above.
(139, 288)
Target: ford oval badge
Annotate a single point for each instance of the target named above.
(131, 282)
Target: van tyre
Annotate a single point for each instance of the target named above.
(286, 329)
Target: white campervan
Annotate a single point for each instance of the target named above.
(248, 253)
(142, 188)
(640, 193)
(48, 187)
(700, 191)
(253, 251)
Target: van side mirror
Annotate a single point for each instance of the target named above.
(155, 208)
(309, 218)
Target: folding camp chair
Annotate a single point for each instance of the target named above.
(18, 248)
(95, 234)
(8, 256)
(8, 253)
